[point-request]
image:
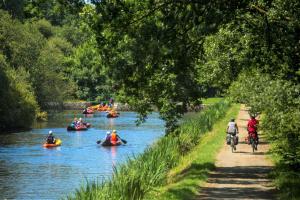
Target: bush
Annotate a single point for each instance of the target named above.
(17, 101)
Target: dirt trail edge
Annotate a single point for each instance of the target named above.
(243, 174)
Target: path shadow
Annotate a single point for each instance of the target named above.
(239, 183)
(195, 171)
(259, 153)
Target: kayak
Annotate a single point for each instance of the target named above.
(57, 143)
(107, 144)
(104, 108)
(77, 128)
(109, 115)
(94, 107)
(88, 125)
(88, 112)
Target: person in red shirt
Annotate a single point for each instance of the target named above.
(252, 128)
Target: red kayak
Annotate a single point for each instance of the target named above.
(88, 125)
(109, 115)
(88, 111)
(107, 144)
(77, 128)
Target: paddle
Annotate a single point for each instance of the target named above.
(124, 141)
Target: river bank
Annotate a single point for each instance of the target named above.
(80, 105)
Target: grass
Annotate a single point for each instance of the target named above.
(140, 175)
(185, 179)
(212, 100)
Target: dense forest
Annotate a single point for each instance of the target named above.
(48, 54)
(163, 53)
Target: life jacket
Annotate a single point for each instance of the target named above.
(113, 137)
(50, 139)
(252, 125)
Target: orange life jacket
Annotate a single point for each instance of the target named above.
(113, 137)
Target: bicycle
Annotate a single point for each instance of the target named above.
(253, 141)
(232, 141)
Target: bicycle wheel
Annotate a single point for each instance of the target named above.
(232, 144)
(252, 144)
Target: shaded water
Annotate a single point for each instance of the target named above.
(29, 171)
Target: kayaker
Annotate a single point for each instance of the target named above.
(80, 123)
(114, 138)
(50, 138)
(75, 122)
(107, 137)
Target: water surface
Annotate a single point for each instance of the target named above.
(29, 171)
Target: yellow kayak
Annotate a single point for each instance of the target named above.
(57, 143)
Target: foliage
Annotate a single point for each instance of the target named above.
(86, 69)
(139, 175)
(15, 8)
(17, 99)
(152, 47)
(280, 103)
(57, 12)
(20, 43)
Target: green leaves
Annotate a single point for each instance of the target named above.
(279, 101)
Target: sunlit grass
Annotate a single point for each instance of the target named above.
(212, 100)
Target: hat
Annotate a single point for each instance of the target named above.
(114, 131)
(107, 133)
(50, 132)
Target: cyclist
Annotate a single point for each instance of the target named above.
(252, 128)
(232, 129)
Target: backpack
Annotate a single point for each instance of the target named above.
(231, 127)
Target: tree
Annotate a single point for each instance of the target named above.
(17, 100)
(152, 49)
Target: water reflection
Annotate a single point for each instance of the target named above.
(27, 170)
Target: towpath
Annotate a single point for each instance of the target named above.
(241, 175)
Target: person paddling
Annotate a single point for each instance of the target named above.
(50, 138)
(114, 138)
(107, 138)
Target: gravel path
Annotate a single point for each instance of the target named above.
(243, 174)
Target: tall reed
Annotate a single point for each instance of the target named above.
(140, 174)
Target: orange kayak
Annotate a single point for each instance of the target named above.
(57, 143)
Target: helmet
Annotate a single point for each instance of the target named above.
(50, 132)
(107, 133)
(80, 119)
(114, 131)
